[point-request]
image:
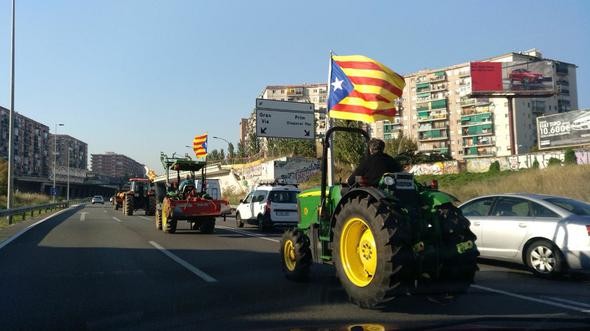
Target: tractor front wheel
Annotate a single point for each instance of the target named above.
(295, 255)
(158, 219)
(168, 222)
(371, 251)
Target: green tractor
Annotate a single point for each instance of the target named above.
(399, 238)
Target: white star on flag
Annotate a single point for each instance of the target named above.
(337, 84)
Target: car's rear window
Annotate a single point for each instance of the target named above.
(573, 206)
(283, 196)
(97, 197)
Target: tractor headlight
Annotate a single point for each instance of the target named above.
(388, 180)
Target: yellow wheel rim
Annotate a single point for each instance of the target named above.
(358, 252)
(289, 255)
(165, 208)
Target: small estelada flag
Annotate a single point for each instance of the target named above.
(200, 145)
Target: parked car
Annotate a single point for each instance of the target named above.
(525, 76)
(548, 234)
(97, 199)
(268, 206)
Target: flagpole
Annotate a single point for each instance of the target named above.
(329, 157)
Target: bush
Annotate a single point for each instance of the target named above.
(494, 167)
(554, 162)
(570, 157)
(536, 163)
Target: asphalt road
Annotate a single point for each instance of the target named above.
(93, 268)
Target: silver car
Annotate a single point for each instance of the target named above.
(549, 234)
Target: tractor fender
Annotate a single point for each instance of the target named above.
(354, 193)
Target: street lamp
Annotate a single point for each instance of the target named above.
(54, 192)
(10, 169)
(68, 187)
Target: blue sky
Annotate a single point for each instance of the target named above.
(138, 77)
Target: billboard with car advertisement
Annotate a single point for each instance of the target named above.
(515, 78)
(565, 129)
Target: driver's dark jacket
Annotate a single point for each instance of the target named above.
(373, 167)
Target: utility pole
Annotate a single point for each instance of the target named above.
(10, 188)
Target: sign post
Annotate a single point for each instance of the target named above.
(285, 119)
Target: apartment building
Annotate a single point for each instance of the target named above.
(31, 141)
(78, 151)
(116, 166)
(439, 112)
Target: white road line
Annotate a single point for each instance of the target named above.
(246, 233)
(116, 219)
(18, 234)
(145, 218)
(185, 264)
(524, 297)
(571, 302)
(83, 216)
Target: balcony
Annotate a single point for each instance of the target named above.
(433, 134)
(466, 102)
(473, 152)
(438, 87)
(441, 149)
(486, 129)
(438, 77)
(476, 119)
(438, 104)
(478, 142)
(429, 117)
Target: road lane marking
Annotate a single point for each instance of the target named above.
(524, 297)
(571, 302)
(145, 218)
(183, 263)
(18, 234)
(246, 233)
(116, 219)
(83, 216)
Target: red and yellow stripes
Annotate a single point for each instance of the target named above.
(375, 88)
(200, 145)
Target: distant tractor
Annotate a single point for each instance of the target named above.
(182, 200)
(392, 240)
(136, 194)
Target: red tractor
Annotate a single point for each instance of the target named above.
(182, 201)
(136, 194)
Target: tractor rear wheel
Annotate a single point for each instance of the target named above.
(158, 219)
(371, 251)
(207, 225)
(458, 272)
(150, 209)
(295, 255)
(168, 222)
(128, 205)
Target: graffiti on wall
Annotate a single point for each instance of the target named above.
(295, 170)
(436, 168)
(524, 161)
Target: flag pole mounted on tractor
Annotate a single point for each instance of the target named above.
(330, 157)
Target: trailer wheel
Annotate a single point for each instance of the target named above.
(295, 255)
(371, 251)
(207, 225)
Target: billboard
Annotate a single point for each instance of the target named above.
(565, 129)
(515, 78)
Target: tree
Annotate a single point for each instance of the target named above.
(290, 147)
(570, 157)
(242, 150)
(349, 148)
(253, 144)
(213, 155)
(400, 145)
(536, 163)
(554, 162)
(494, 167)
(3, 176)
(230, 151)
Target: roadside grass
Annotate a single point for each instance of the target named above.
(569, 181)
(25, 199)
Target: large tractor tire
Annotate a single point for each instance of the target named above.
(295, 255)
(457, 272)
(150, 209)
(158, 219)
(372, 251)
(128, 205)
(168, 222)
(207, 225)
(115, 205)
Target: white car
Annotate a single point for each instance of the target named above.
(268, 206)
(97, 199)
(581, 123)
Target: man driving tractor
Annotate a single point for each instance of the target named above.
(377, 163)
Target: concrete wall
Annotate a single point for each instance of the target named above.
(524, 161)
(436, 168)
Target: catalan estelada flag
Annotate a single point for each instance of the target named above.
(200, 145)
(362, 89)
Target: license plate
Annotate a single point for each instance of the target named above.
(283, 213)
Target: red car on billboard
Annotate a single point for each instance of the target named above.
(525, 76)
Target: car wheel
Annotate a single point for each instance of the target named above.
(239, 222)
(544, 259)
